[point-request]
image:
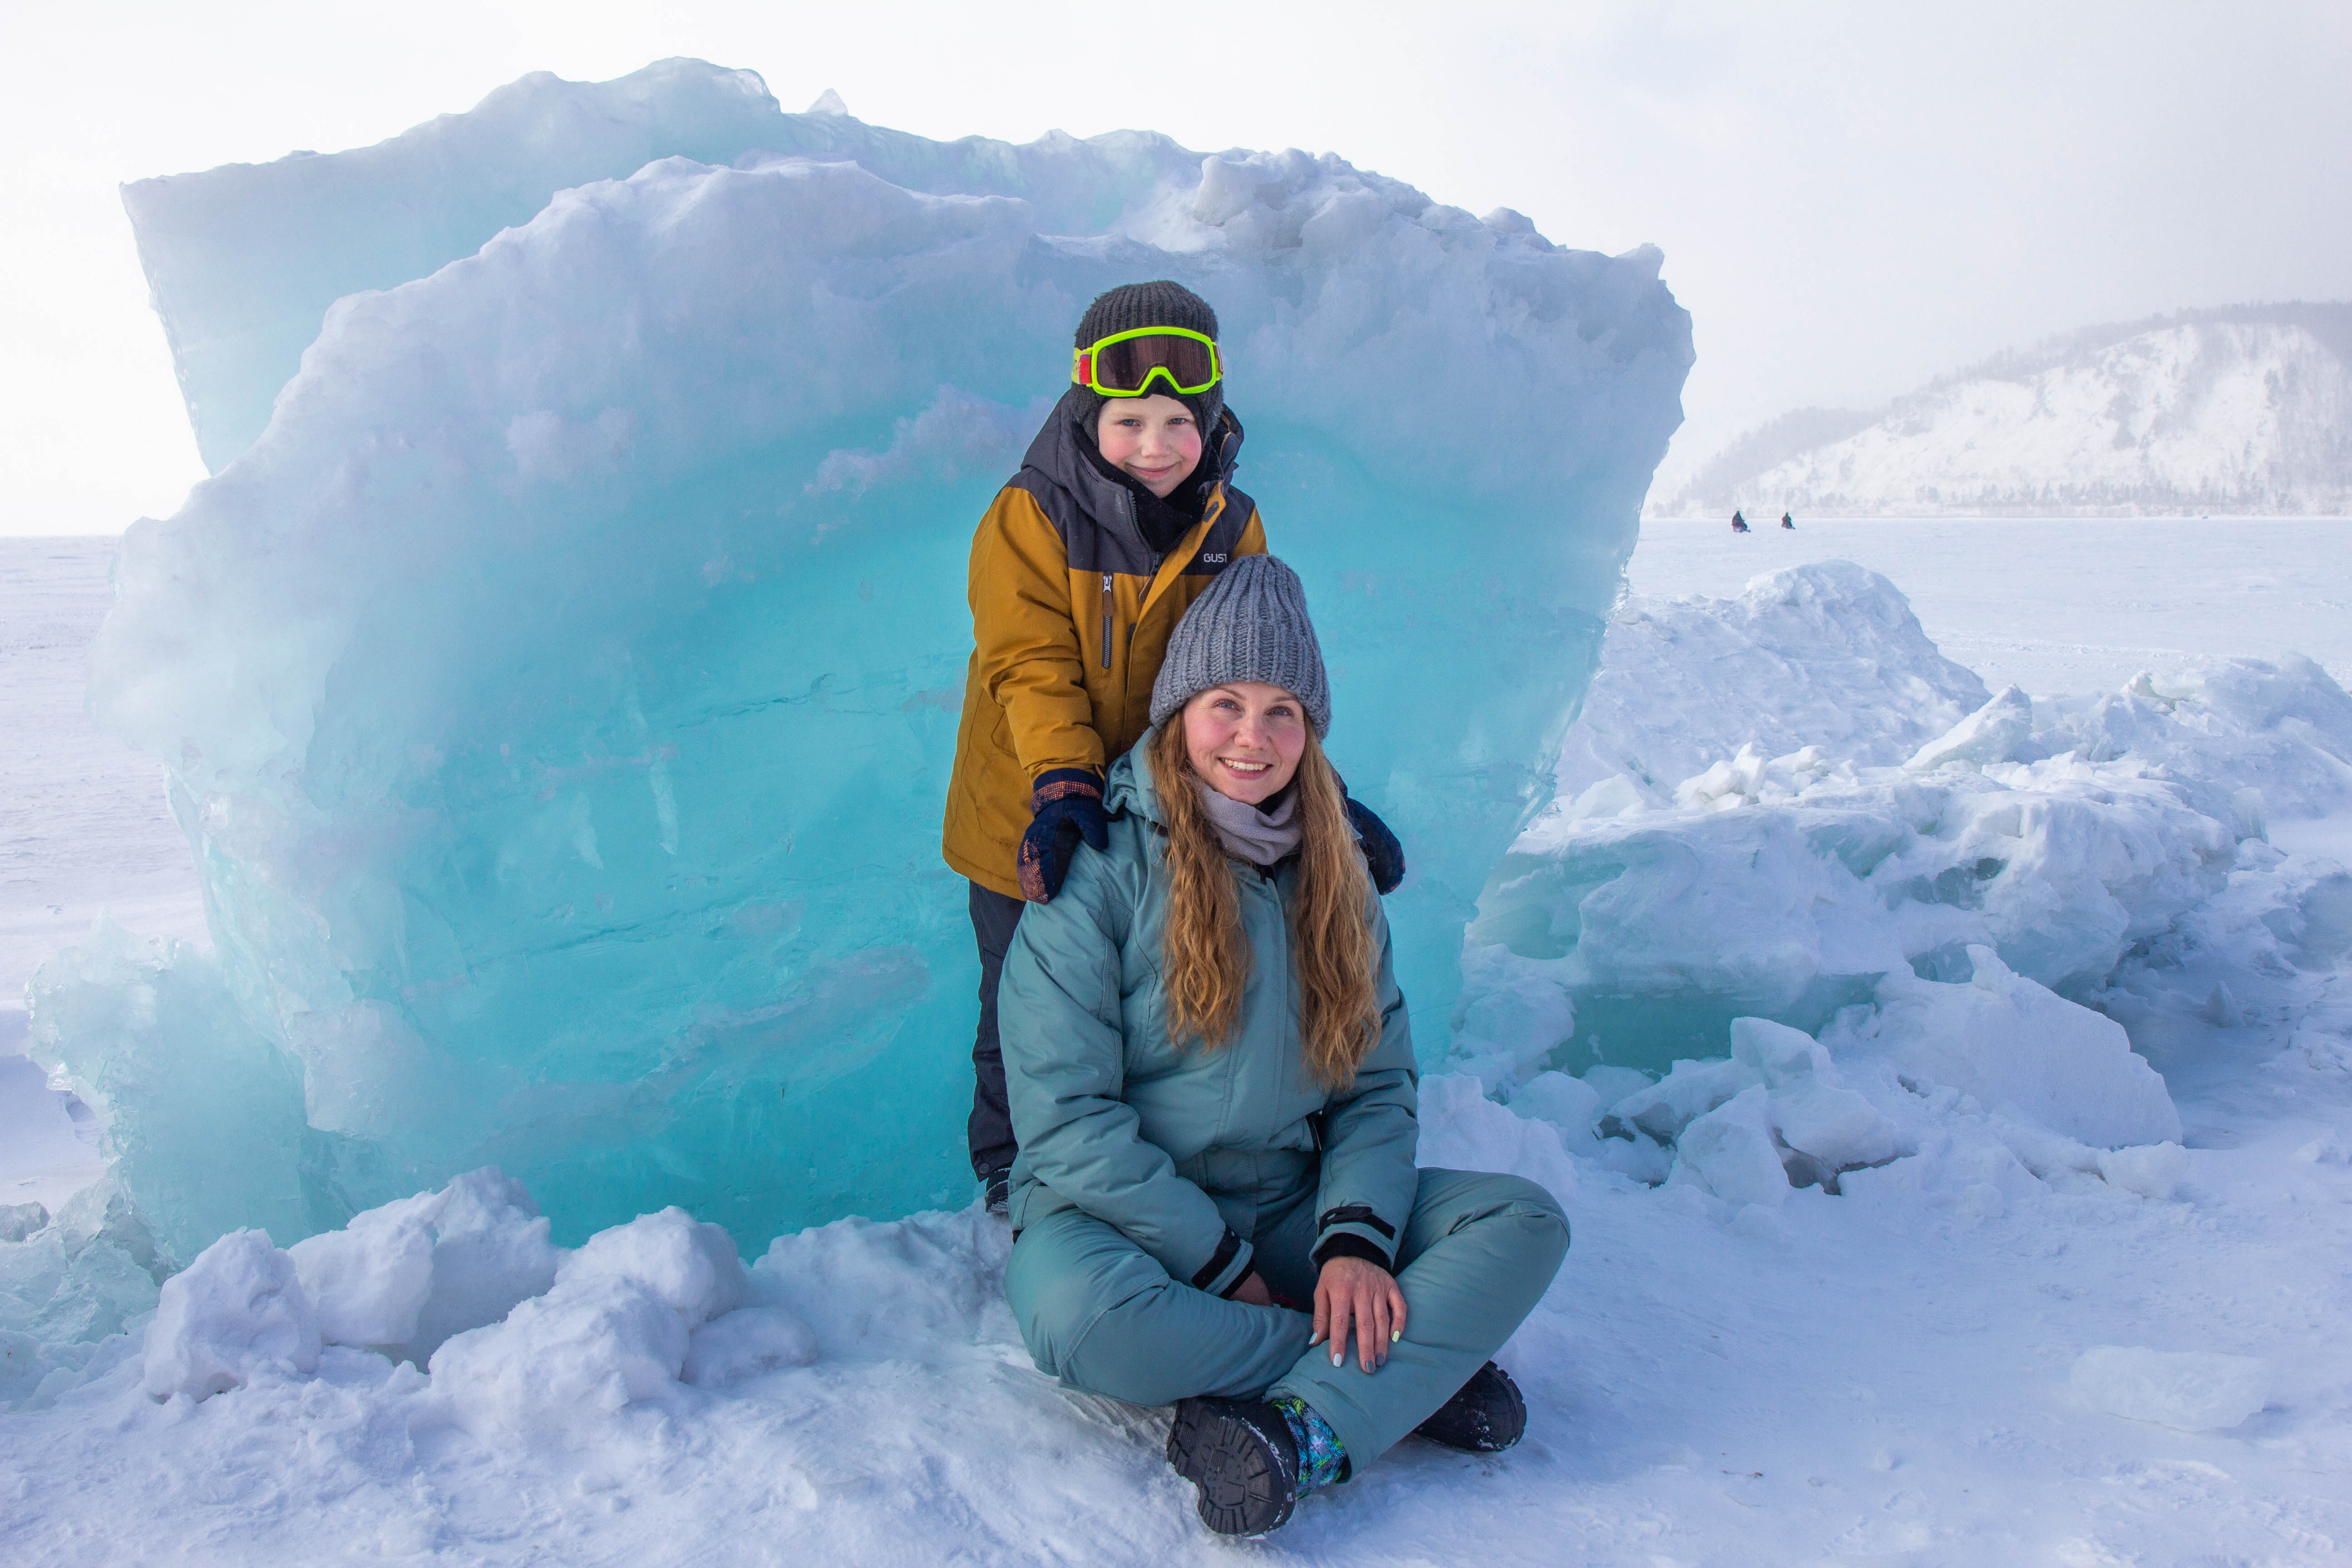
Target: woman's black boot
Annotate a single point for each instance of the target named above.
(1485, 1417)
(1240, 1457)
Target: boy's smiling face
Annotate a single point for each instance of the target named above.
(1154, 439)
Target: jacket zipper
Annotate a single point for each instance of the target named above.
(1106, 607)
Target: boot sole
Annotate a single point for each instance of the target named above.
(1241, 1488)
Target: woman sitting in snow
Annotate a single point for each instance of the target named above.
(1212, 1081)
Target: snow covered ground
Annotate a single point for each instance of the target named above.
(2005, 1345)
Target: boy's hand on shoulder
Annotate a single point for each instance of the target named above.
(1065, 807)
(1383, 855)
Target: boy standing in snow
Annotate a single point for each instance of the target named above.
(1122, 514)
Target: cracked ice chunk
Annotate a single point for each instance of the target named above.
(243, 262)
(2196, 1391)
(1836, 1126)
(1779, 1057)
(1569, 1104)
(1990, 734)
(235, 1313)
(1813, 1111)
(1691, 1090)
(2017, 1046)
(1729, 1151)
(204, 1114)
(560, 691)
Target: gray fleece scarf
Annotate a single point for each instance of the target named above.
(1260, 838)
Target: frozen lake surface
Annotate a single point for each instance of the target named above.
(83, 823)
(2071, 606)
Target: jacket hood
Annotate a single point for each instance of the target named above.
(1057, 454)
(1129, 785)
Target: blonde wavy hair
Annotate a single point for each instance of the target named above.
(1204, 960)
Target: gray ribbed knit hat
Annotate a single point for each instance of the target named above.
(1250, 624)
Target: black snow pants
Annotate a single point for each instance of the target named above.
(994, 916)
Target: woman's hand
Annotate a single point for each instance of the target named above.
(1253, 1291)
(1353, 1290)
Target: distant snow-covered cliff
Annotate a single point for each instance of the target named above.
(2239, 412)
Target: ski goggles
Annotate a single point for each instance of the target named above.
(1129, 364)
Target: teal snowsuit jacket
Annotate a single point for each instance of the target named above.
(1180, 1150)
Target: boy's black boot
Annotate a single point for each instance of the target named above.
(1485, 1417)
(1240, 1457)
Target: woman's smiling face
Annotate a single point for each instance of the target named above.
(1246, 738)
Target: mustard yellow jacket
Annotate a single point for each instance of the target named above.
(1071, 612)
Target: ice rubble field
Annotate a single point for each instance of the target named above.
(560, 687)
(2072, 1318)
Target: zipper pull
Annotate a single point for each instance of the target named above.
(1105, 609)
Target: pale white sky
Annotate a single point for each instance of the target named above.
(1850, 198)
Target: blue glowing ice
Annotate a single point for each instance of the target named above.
(559, 690)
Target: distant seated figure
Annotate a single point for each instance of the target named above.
(1786, 522)
(1739, 524)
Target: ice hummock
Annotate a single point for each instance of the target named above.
(1771, 805)
(1932, 946)
(559, 692)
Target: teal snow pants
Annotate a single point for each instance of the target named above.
(1099, 1313)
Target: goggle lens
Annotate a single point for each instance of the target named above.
(1125, 365)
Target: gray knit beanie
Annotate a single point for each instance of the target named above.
(1160, 303)
(1250, 624)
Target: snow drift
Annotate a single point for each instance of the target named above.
(559, 692)
(527, 1344)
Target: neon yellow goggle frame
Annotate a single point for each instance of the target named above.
(1125, 364)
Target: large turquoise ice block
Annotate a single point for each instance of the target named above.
(560, 692)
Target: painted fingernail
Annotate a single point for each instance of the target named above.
(1337, 1358)
(1395, 1334)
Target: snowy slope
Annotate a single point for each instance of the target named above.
(2235, 414)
